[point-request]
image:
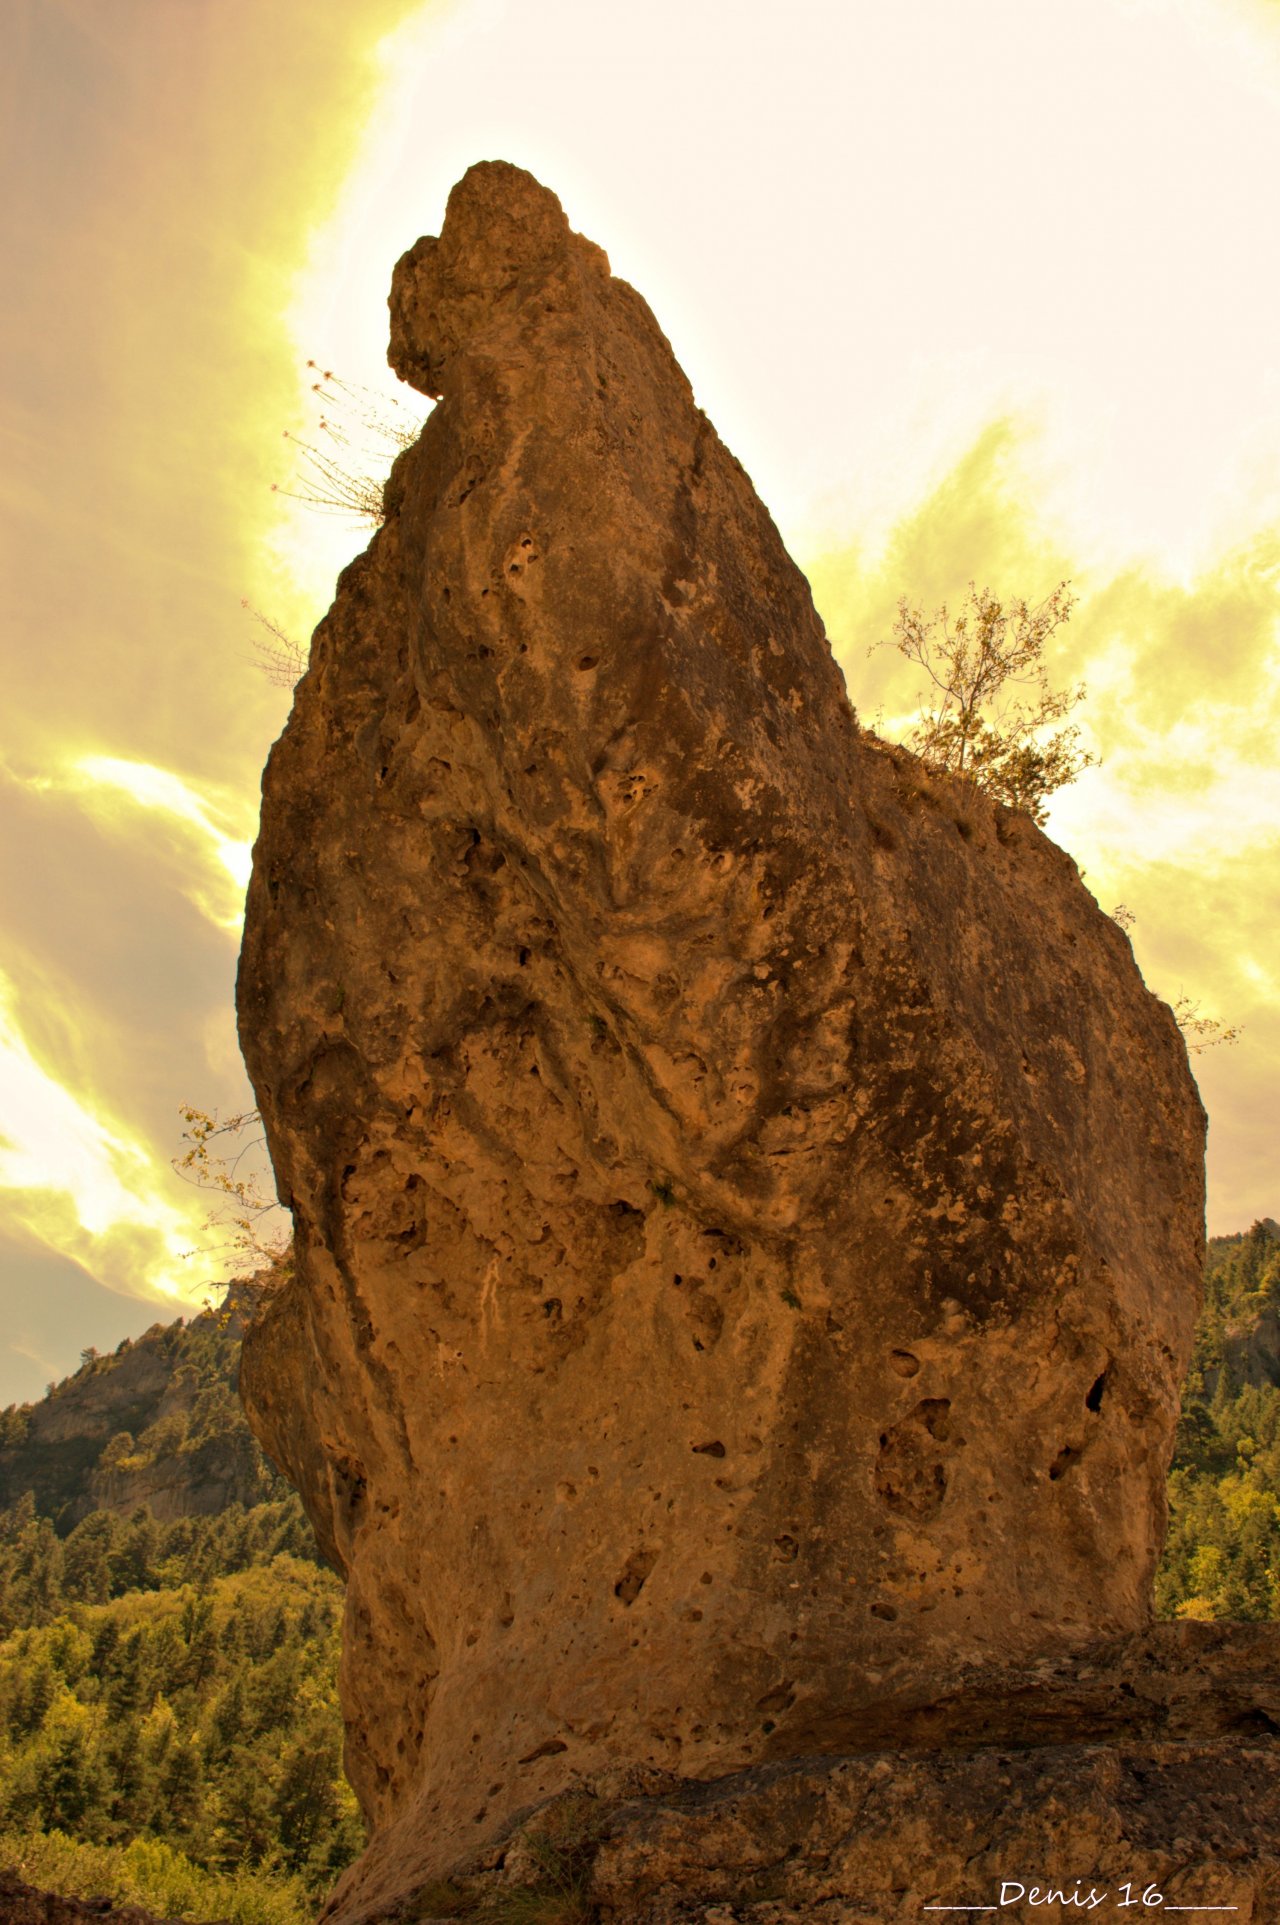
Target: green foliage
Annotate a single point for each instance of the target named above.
(157, 1876)
(174, 1687)
(1222, 1552)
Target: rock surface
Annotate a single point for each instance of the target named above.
(748, 1207)
(1142, 1775)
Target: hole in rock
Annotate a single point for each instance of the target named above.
(781, 1698)
(1257, 1723)
(710, 1450)
(885, 1611)
(904, 1362)
(586, 662)
(1062, 1463)
(547, 1749)
(1094, 1400)
(706, 1318)
(634, 1572)
(349, 1486)
(787, 1548)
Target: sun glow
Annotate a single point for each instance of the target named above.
(74, 1179)
(209, 861)
(168, 795)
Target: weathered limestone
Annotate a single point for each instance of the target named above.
(1143, 1775)
(748, 1207)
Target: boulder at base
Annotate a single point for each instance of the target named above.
(1142, 1775)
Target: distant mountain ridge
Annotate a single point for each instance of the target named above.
(157, 1423)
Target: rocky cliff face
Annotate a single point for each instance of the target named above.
(749, 1211)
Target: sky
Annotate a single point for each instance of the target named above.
(979, 292)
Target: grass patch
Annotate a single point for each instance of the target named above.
(155, 1876)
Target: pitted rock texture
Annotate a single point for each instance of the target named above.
(748, 1208)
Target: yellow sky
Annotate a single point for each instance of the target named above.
(982, 291)
(166, 164)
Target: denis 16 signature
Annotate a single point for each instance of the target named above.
(1086, 1898)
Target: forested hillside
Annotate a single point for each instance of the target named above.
(1222, 1553)
(156, 1422)
(169, 1726)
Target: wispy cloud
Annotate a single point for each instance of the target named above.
(208, 860)
(73, 1178)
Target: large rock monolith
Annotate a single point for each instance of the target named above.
(748, 1207)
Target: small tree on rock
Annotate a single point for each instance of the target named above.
(990, 702)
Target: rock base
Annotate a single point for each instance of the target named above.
(1144, 1777)
(23, 1904)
